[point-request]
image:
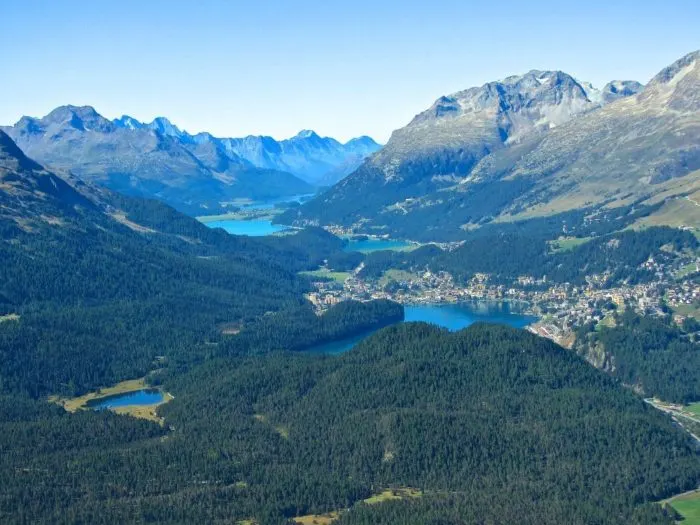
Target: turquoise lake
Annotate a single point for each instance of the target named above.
(254, 228)
(146, 397)
(450, 316)
(374, 245)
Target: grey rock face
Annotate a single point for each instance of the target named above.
(618, 89)
(544, 142)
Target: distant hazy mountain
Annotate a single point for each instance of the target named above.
(147, 160)
(531, 145)
(195, 173)
(318, 160)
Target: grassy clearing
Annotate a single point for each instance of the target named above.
(606, 322)
(282, 430)
(688, 506)
(376, 499)
(693, 409)
(566, 244)
(393, 494)
(687, 270)
(77, 403)
(323, 273)
(131, 385)
(397, 275)
(677, 213)
(318, 519)
(688, 310)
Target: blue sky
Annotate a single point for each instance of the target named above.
(341, 68)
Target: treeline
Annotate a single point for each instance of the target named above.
(650, 353)
(466, 417)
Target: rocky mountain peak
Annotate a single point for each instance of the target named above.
(362, 143)
(676, 71)
(163, 126)
(307, 134)
(508, 110)
(82, 118)
(677, 86)
(540, 143)
(618, 89)
(125, 121)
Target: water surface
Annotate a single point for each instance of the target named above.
(451, 316)
(253, 228)
(374, 245)
(146, 397)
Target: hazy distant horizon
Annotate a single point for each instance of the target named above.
(235, 69)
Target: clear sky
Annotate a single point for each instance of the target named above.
(342, 68)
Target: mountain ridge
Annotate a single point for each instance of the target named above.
(528, 146)
(147, 161)
(198, 174)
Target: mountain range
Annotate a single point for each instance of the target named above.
(537, 145)
(317, 160)
(195, 173)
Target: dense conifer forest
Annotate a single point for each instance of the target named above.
(650, 353)
(492, 424)
(505, 256)
(98, 302)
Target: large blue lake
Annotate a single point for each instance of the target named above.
(253, 228)
(146, 397)
(451, 316)
(373, 245)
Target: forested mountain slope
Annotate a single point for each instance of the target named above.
(467, 418)
(96, 285)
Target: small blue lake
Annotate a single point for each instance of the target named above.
(374, 245)
(146, 397)
(451, 316)
(253, 228)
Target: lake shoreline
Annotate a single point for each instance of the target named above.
(453, 316)
(124, 388)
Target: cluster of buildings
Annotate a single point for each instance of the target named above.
(561, 307)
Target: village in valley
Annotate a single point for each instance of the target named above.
(560, 307)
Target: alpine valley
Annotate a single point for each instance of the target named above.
(156, 369)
